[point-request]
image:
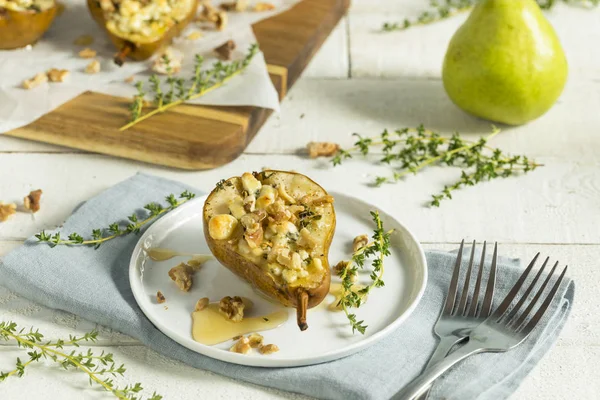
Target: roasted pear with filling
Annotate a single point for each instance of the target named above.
(141, 28)
(274, 229)
(24, 22)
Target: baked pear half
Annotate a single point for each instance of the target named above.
(24, 22)
(274, 229)
(141, 28)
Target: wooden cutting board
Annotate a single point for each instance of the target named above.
(190, 136)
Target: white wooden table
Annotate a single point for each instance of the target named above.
(363, 81)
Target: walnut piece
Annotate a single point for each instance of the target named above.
(87, 53)
(322, 149)
(7, 210)
(225, 50)
(32, 201)
(263, 7)
(208, 13)
(35, 81)
(359, 242)
(160, 298)
(168, 63)
(84, 40)
(221, 22)
(202, 304)
(93, 67)
(242, 346)
(255, 340)
(238, 5)
(339, 267)
(182, 275)
(268, 349)
(57, 75)
(232, 308)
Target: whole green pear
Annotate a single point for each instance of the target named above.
(505, 63)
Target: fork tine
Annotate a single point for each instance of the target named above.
(534, 301)
(513, 292)
(451, 297)
(475, 300)
(540, 313)
(462, 306)
(488, 300)
(525, 295)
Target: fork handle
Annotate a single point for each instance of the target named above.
(422, 382)
(444, 346)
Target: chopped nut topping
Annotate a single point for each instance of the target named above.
(160, 298)
(322, 149)
(57, 75)
(225, 50)
(32, 201)
(107, 6)
(255, 340)
(7, 210)
(238, 5)
(322, 200)
(202, 304)
(242, 346)
(232, 308)
(182, 275)
(93, 67)
(35, 81)
(130, 79)
(168, 63)
(306, 240)
(359, 242)
(87, 53)
(84, 40)
(194, 35)
(263, 7)
(221, 22)
(268, 349)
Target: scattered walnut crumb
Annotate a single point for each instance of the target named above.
(130, 79)
(339, 267)
(239, 5)
(202, 304)
(93, 67)
(322, 149)
(35, 81)
(31, 202)
(57, 75)
(232, 308)
(87, 53)
(263, 7)
(84, 40)
(208, 13)
(166, 307)
(359, 242)
(225, 50)
(7, 210)
(160, 298)
(221, 22)
(242, 346)
(255, 340)
(182, 276)
(194, 35)
(268, 349)
(169, 62)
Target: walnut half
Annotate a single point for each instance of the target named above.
(232, 308)
(32, 201)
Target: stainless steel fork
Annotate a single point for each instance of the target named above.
(501, 331)
(458, 318)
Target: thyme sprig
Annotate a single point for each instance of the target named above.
(409, 150)
(378, 250)
(116, 229)
(443, 9)
(177, 92)
(100, 368)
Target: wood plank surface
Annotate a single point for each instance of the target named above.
(190, 136)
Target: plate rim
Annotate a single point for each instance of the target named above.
(240, 359)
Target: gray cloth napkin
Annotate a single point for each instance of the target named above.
(94, 284)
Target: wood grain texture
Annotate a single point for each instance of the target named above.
(190, 136)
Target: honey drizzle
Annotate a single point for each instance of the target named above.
(162, 254)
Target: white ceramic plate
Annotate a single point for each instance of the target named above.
(329, 335)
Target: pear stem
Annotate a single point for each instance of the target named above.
(123, 53)
(301, 308)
